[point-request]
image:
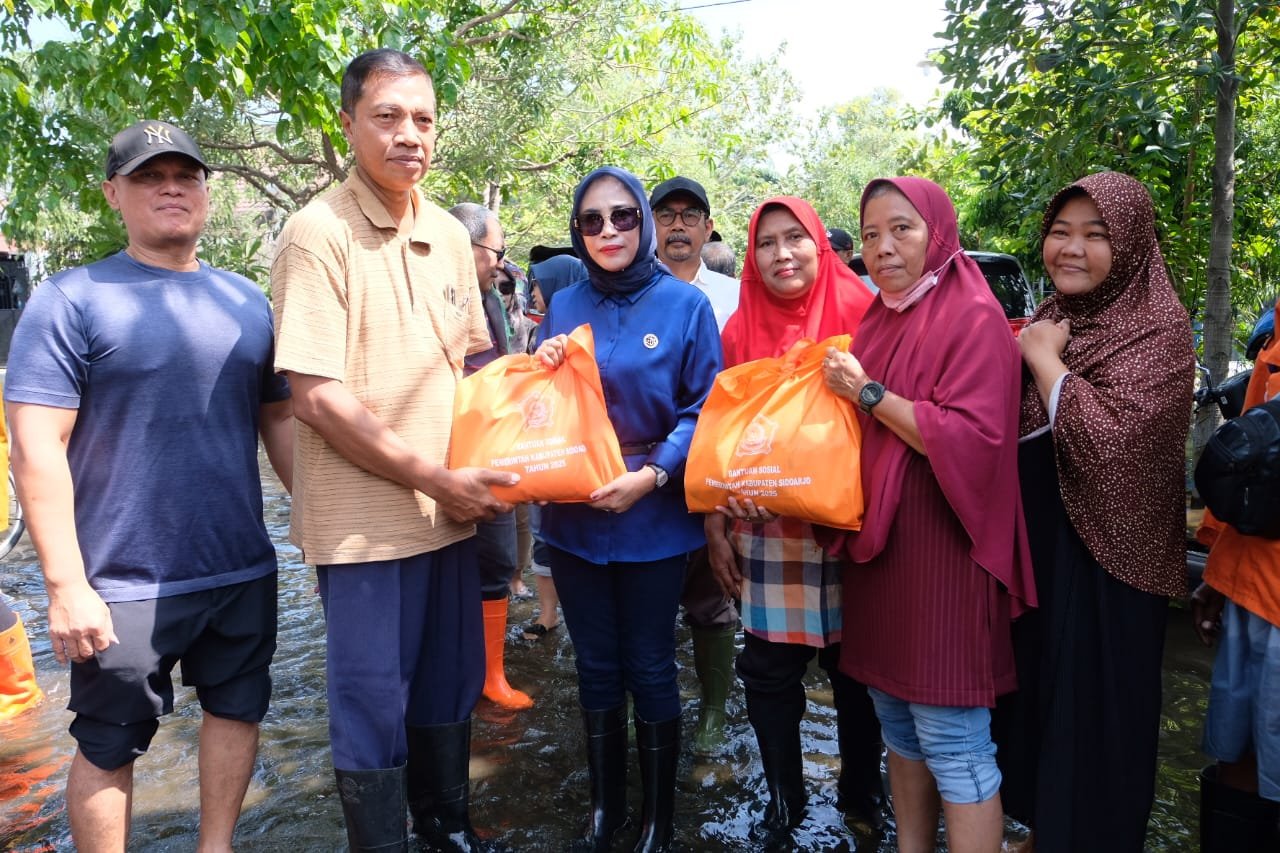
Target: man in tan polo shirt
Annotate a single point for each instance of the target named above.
(376, 308)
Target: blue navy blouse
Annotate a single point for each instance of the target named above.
(659, 352)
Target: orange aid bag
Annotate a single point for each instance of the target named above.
(773, 432)
(549, 426)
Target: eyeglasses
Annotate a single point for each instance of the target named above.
(501, 253)
(690, 216)
(623, 219)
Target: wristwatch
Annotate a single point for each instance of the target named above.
(659, 475)
(870, 396)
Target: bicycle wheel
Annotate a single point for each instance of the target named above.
(16, 524)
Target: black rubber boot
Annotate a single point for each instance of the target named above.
(607, 767)
(659, 746)
(860, 791)
(373, 804)
(1235, 821)
(776, 720)
(439, 790)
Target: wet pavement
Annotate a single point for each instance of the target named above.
(528, 770)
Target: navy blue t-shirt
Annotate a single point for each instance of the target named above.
(167, 371)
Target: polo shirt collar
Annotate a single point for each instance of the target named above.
(376, 212)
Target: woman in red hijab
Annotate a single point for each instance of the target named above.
(794, 286)
(941, 562)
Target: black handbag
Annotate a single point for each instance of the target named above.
(1238, 474)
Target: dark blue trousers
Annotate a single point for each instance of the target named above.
(622, 619)
(405, 646)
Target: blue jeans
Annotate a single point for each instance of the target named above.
(955, 744)
(405, 647)
(1244, 696)
(622, 619)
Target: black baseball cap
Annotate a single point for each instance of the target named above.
(839, 239)
(678, 184)
(140, 142)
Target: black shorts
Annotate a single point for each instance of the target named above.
(224, 639)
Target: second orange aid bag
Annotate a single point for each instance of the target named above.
(773, 432)
(548, 426)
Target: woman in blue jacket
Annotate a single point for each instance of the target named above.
(619, 560)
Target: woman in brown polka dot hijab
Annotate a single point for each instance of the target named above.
(1105, 414)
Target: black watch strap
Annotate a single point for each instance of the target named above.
(870, 396)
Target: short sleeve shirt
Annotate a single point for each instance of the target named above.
(392, 318)
(167, 372)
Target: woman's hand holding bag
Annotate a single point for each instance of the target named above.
(772, 433)
(549, 425)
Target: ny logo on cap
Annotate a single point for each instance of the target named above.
(158, 134)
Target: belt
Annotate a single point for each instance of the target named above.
(639, 449)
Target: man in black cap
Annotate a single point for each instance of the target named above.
(682, 216)
(683, 219)
(137, 388)
(842, 242)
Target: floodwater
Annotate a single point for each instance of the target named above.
(528, 773)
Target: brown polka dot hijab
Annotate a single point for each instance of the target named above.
(1124, 408)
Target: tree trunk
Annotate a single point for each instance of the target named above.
(1218, 338)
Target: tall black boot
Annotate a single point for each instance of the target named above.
(373, 807)
(860, 791)
(607, 767)
(1235, 821)
(439, 790)
(776, 720)
(659, 745)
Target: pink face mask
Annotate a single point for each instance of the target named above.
(903, 300)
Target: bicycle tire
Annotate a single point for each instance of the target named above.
(16, 523)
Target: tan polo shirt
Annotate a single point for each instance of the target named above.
(391, 318)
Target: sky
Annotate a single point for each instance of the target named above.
(836, 50)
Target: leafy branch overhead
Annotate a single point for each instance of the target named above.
(532, 93)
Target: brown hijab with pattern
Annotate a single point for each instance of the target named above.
(1124, 407)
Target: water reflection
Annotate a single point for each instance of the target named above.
(528, 768)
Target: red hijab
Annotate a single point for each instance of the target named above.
(952, 354)
(765, 325)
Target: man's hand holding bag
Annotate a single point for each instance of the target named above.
(771, 431)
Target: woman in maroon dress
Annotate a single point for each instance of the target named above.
(941, 564)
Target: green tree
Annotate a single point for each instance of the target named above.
(849, 145)
(1051, 91)
(532, 95)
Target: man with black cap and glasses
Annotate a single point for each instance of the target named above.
(683, 219)
(137, 389)
(682, 216)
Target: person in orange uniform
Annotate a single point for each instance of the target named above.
(1239, 604)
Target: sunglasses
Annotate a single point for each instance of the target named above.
(623, 219)
(501, 253)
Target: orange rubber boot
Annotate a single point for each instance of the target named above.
(496, 688)
(18, 688)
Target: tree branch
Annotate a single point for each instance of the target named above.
(460, 33)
